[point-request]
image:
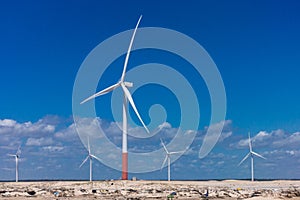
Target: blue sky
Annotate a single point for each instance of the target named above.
(255, 45)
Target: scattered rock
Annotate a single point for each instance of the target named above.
(132, 190)
(31, 193)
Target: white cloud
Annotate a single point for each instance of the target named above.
(281, 154)
(191, 151)
(224, 126)
(290, 152)
(57, 138)
(243, 143)
(165, 125)
(11, 127)
(292, 140)
(53, 148)
(220, 162)
(39, 141)
(67, 134)
(225, 135)
(91, 127)
(262, 135)
(114, 128)
(274, 139)
(7, 123)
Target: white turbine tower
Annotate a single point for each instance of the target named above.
(251, 154)
(127, 97)
(90, 156)
(17, 156)
(168, 155)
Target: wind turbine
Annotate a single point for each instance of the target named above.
(17, 156)
(89, 156)
(168, 155)
(251, 154)
(127, 97)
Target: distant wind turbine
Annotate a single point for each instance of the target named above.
(17, 156)
(168, 155)
(127, 97)
(90, 156)
(251, 154)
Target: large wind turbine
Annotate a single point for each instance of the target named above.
(251, 154)
(89, 156)
(17, 156)
(127, 97)
(168, 155)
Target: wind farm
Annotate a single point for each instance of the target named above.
(150, 100)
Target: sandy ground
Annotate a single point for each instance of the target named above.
(226, 190)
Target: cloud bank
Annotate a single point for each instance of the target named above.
(52, 143)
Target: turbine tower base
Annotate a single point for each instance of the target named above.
(125, 166)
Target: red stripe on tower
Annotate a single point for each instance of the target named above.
(125, 166)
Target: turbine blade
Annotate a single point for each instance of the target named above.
(258, 155)
(93, 156)
(89, 148)
(250, 145)
(19, 150)
(129, 97)
(163, 164)
(129, 49)
(102, 92)
(165, 148)
(11, 155)
(175, 152)
(244, 159)
(84, 161)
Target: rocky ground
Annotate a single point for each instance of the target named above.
(138, 190)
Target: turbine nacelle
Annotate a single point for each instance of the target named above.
(128, 84)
